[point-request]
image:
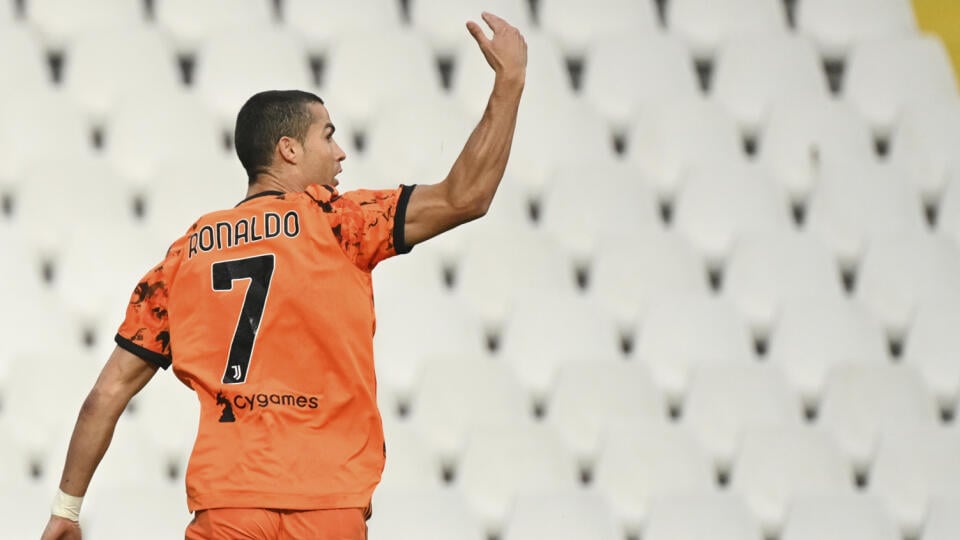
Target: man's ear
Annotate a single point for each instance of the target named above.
(289, 149)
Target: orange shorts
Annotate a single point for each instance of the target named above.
(263, 524)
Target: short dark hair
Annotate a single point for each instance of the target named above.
(264, 119)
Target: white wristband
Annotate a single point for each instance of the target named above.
(66, 506)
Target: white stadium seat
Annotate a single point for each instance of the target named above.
(775, 466)
(858, 202)
(666, 141)
(140, 140)
(719, 204)
(455, 397)
(23, 67)
(933, 346)
(411, 464)
(577, 24)
(358, 65)
(540, 337)
(767, 269)
(320, 27)
(948, 213)
(500, 464)
(632, 272)
(231, 66)
(443, 23)
(706, 24)
(626, 70)
(753, 72)
(885, 75)
(801, 134)
(924, 139)
(27, 507)
(943, 519)
(59, 21)
(836, 26)
(167, 412)
(561, 515)
(724, 402)
(839, 517)
(913, 466)
(718, 516)
(579, 214)
(812, 335)
(124, 511)
(641, 461)
(589, 397)
(900, 271)
(422, 514)
(862, 402)
(681, 333)
(189, 24)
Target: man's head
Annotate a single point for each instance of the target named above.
(288, 134)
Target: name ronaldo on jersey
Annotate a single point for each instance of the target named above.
(224, 234)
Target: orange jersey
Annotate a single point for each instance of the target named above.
(266, 312)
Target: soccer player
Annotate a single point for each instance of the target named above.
(266, 311)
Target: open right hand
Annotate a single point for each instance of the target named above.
(59, 528)
(506, 52)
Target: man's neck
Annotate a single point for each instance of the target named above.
(270, 182)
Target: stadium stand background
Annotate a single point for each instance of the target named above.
(717, 295)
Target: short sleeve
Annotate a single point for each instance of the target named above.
(369, 224)
(145, 330)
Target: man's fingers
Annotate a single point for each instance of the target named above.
(495, 23)
(478, 34)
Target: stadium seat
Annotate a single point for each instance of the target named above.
(500, 268)
(948, 213)
(231, 66)
(359, 63)
(719, 204)
(146, 131)
(855, 203)
(724, 402)
(105, 66)
(411, 464)
(23, 67)
(561, 516)
(442, 23)
(706, 24)
(800, 134)
(124, 512)
(577, 24)
(885, 75)
(33, 320)
(320, 27)
(414, 133)
(683, 332)
(617, 205)
(456, 396)
(666, 141)
(767, 269)
(632, 272)
(924, 139)
(641, 461)
(900, 271)
(862, 402)
(58, 22)
(913, 466)
(422, 514)
(500, 464)
(168, 413)
(589, 397)
(839, 517)
(753, 72)
(718, 516)
(626, 70)
(812, 335)
(943, 519)
(933, 346)
(836, 26)
(189, 24)
(414, 327)
(39, 115)
(27, 507)
(774, 466)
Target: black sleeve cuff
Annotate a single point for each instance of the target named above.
(146, 355)
(400, 220)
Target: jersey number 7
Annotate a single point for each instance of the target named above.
(258, 270)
